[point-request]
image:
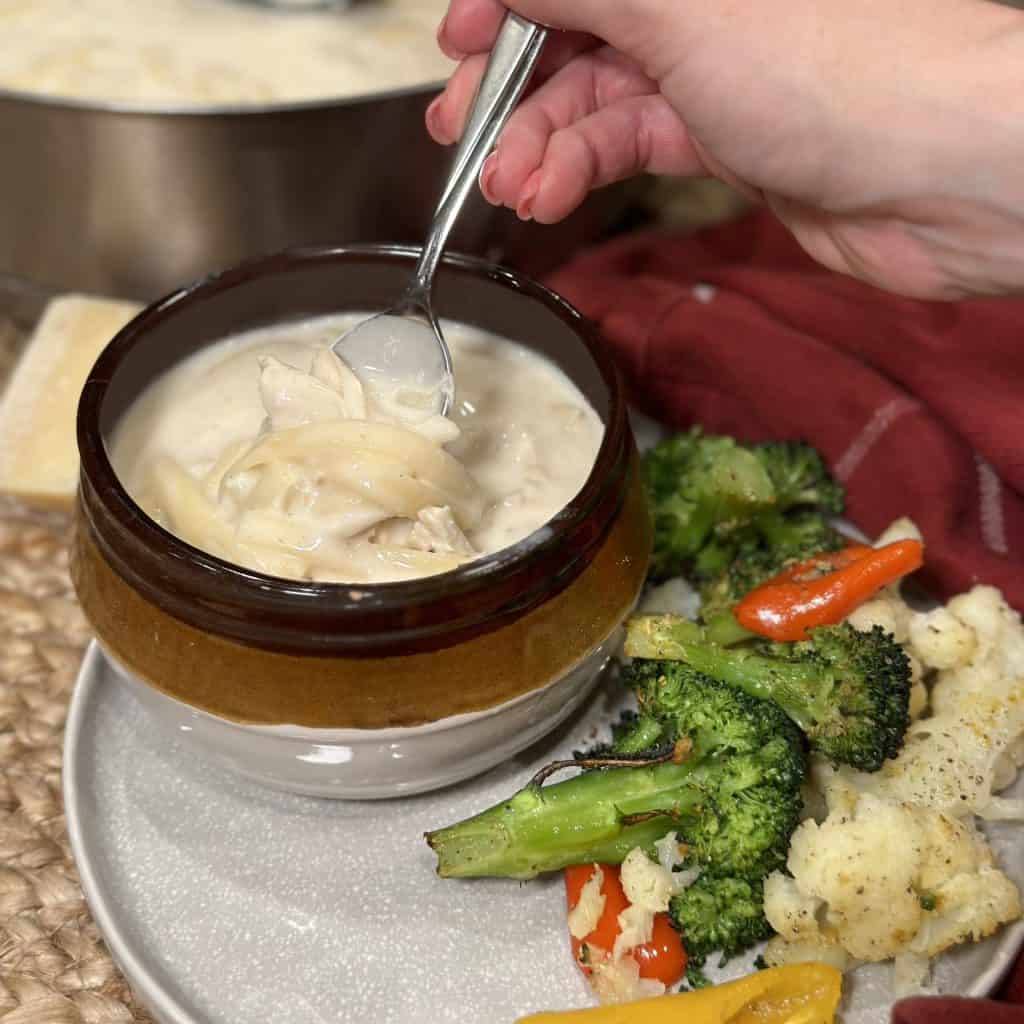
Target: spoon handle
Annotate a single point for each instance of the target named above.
(507, 73)
(517, 36)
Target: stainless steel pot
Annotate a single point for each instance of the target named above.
(135, 202)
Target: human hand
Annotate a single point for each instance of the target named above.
(886, 134)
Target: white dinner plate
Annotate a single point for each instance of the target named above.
(225, 902)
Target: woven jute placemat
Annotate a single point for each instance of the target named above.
(54, 967)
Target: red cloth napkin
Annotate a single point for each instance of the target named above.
(949, 1010)
(919, 407)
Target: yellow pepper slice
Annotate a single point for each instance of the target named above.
(797, 994)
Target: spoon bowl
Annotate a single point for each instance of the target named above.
(402, 352)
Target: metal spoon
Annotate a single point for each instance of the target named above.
(403, 349)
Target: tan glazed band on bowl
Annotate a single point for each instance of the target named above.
(255, 685)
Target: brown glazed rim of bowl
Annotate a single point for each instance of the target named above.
(347, 618)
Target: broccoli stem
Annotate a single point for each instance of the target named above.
(723, 629)
(645, 735)
(787, 684)
(583, 820)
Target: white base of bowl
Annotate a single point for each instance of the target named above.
(373, 764)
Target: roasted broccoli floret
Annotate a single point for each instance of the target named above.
(724, 915)
(713, 717)
(730, 788)
(798, 536)
(783, 541)
(847, 690)
(699, 486)
(713, 498)
(747, 570)
(800, 477)
(721, 769)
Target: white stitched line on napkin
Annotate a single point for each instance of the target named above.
(990, 490)
(881, 420)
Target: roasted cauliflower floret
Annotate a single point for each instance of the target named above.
(887, 610)
(968, 908)
(996, 664)
(893, 866)
(940, 640)
(862, 869)
(837, 787)
(792, 911)
(884, 881)
(903, 528)
(824, 949)
(918, 691)
(957, 760)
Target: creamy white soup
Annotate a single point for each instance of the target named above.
(266, 450)
(208, 52)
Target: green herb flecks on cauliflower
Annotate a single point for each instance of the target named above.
(862, 884)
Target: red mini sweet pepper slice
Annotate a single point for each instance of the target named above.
(663, 958)
(823, 590)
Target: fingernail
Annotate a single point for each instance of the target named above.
(524, 208)
(487, 174)
(435, 123)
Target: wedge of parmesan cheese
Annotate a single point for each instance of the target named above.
(38, 450)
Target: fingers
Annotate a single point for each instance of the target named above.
(629, 137)
(447, 113)
(594, 116)
(470, 26)
(598, 119)
(584, 86)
